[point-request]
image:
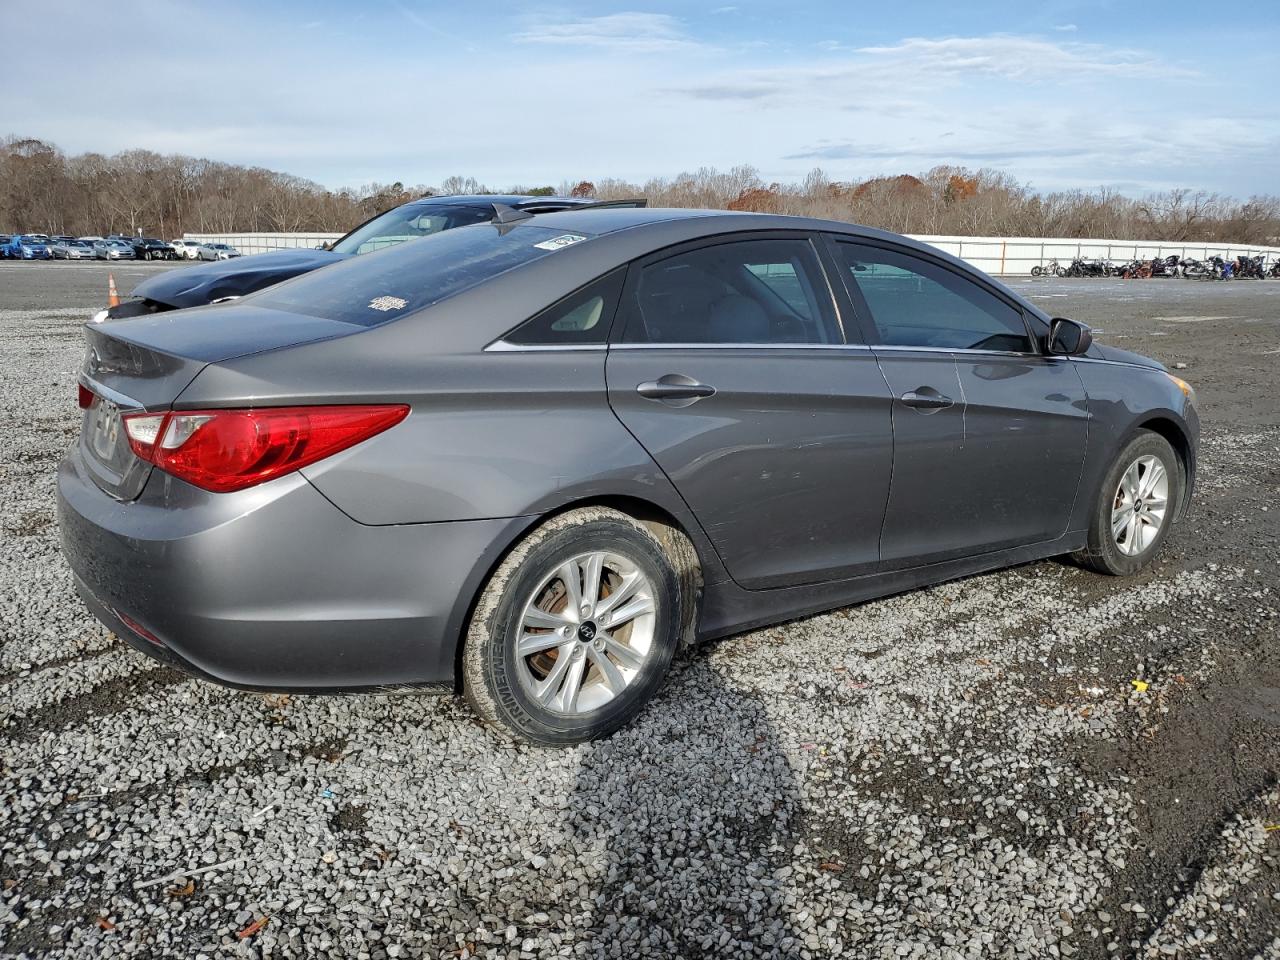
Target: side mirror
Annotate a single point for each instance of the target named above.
(1069, 338)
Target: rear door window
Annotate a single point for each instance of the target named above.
(761, 291)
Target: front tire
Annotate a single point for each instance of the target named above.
(1135, 507)
(575, 630)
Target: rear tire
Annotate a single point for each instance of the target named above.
(1036, 271)
(536, 668)
(1135, 507)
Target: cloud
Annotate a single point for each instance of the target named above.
(1065, 27)
(630, 32)
(1020, 58)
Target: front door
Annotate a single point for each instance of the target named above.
(989, 434)
(729, 367)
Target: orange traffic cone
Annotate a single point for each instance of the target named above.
(113, 297)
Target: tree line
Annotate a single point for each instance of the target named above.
(139, 192)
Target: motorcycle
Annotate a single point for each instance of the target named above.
(1249, 268)
(1050, 269)
(1136, 270)
(1088, 268)
(1274, 272)
(1168, 267)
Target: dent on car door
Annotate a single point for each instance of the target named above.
(989, 433)
(728, 365)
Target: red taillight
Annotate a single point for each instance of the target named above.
(226, 450)
(84, 397)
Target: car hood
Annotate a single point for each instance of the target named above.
(195, 286)
(1106, 352)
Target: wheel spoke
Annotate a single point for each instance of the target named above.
(531, 643)
(534, 617)
(613, 679)
(1119, 517)
(544, 692)
(1130, 483)
(626, 656)
(567, 700)
(591, 582)
(571, 575)
(1153, 476)
(635, 607)
(1133, 536)
(630, 584)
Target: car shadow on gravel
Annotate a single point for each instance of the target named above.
(688, 817)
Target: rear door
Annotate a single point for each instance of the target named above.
(989, 434)
(729, 365)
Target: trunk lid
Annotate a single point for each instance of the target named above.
(145, 364)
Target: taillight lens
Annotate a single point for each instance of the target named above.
(226, 450)
(84, 397)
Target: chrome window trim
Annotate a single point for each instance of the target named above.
(1122, 363)
(739, 346)
(896, 348)
(505, 346)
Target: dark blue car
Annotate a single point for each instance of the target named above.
(227, 279)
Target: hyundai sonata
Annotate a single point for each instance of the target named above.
(527, 460)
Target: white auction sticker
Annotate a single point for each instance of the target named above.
(387, 303)
(564, 240)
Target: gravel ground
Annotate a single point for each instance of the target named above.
(963, 771)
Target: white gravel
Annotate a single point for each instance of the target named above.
(930, 775)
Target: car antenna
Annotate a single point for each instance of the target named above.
(504, 214)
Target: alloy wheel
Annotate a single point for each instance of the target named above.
(585, 633)
(1140, 505)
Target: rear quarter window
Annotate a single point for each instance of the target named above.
(376, 288)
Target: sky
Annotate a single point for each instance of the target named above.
(1063, 95)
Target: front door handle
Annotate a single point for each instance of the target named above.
(675, 389)
(926, 400)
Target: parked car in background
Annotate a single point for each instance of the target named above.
(531, 458)
(217, 251)
(186, 249)
(148, 248)
(4, 245)
(70, 249)
(110, 249)
(28, 247)
(417, 218)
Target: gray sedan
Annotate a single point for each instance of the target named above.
(73, 250)
(528, 459)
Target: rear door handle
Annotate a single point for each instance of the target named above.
(926, 400)
(675, 389)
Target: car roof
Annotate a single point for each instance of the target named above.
(675, 221)
(517, 200)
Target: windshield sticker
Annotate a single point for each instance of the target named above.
(387, 303)
(564, 240)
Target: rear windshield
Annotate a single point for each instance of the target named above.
(383, 286)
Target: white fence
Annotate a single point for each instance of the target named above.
(248, 243)
(998, 256)
(1015, 256)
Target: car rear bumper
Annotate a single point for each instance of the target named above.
(274, 587)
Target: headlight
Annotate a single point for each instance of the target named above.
(1188, 391)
